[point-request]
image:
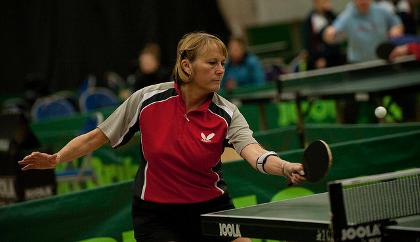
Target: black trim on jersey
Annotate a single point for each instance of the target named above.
(131, 131)
(227, 144)
(159, 97)
(221, 112)
(140, 176)
(221, 183)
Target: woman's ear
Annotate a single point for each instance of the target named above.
(186, 66)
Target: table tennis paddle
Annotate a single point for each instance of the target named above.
(317, 160)
(384, 50)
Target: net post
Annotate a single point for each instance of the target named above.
(338, 213)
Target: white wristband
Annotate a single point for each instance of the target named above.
(262, 159)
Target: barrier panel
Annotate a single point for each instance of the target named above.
(103, 214)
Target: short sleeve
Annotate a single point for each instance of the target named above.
(239, 133)
(123, 122)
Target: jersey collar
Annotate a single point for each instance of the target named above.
(203, 107)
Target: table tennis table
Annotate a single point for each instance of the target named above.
(301, 219)
(371, 80)
(371, 77)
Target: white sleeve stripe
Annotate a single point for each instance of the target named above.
(227, 110)
(164, 100)
(150, 94)
(136, 116)
(131, 124)
(227, 125)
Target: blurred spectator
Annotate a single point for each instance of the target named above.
(320, 54)
(387, 4)
(116, 83)
(149, 71)
(405, 10)
(36, 86)
(242, 67)
(365, 24)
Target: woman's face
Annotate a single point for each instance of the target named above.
(208, 69)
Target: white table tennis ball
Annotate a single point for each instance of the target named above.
(380, 112)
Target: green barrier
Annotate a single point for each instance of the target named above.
(118, 165)
(318, 112)
(353, 158)
(283, 139)
(103, 214)
(334, 133)
(284, 113)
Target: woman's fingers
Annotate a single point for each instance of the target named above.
(28, 167)
(36, 160)
(296, 178)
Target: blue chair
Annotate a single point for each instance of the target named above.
(51, 107)
(95, 98)
(81, 171)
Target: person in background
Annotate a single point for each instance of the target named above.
(114, 82)
(243, 68)
(149, 71)
(319, 53)
(184, 126)
(365, 25)
(405, 10)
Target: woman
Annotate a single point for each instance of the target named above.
(184, 126)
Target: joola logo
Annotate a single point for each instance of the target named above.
(207, 138)
(362, 231)
(231, 230)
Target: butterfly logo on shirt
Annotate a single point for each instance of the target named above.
(207, 138)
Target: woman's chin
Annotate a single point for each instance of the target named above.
(216, 87)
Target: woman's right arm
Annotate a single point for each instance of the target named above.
(77, 147)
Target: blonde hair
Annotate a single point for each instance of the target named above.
(189, 47)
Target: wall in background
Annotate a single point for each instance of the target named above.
(240, 14)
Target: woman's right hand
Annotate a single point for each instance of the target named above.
(38, 160)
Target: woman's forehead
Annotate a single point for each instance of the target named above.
(211, 49)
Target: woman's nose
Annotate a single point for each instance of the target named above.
(220, 69)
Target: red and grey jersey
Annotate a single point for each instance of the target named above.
(180, 151)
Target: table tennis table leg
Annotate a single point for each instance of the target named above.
(300, 123)
(262, 116)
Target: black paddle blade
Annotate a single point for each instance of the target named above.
(317, 160)
(384, 49)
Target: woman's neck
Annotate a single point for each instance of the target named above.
(192, 97)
